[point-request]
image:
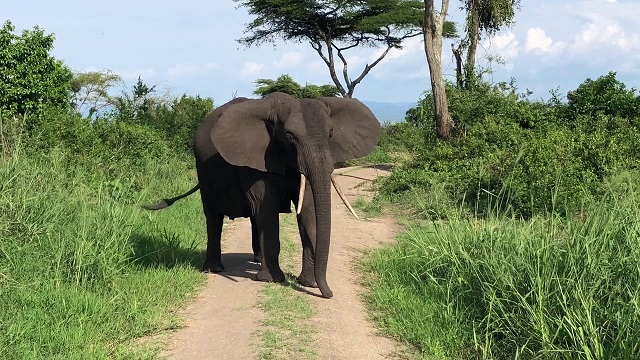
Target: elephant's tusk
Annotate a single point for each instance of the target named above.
(303, 183)
(342, 197)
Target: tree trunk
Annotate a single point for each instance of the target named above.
(474, 36)
(432, 30)
(457, 53)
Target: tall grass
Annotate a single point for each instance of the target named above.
(503, 288)
(83, 270)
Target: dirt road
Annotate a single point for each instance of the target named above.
(222, 322)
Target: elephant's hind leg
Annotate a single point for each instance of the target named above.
(213, 259)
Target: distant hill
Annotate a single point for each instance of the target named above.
(389, 111)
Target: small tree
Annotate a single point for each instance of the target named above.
(30, 77)
(483, 16)
(286, 84)
(334, 26)
(91, 91)
(137, 106)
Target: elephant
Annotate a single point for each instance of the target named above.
(254, 157)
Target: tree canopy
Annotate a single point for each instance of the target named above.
(334, 26)
(29, 75)
(483, 16)
(91, 90)
(286, 84)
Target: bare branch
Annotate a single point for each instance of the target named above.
(366, 70)
(345, 72)
(329, 61)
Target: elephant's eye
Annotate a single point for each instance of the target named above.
(331, 133)
(289, 136)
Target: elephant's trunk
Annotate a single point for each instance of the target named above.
(320, 180)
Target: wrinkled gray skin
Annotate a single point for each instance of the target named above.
(249, 157)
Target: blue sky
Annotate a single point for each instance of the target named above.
(189, 46)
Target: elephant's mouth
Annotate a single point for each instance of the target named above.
(303, 184)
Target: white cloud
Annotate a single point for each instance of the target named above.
(251, 70)
(504, 44)
(604, 32)
(190, 69)
(183, 69)
(288, 60)
(133, 75)
(539, 42)
(352, 61)
(316, 66)
(410, 47)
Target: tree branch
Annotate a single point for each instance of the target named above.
(366, 70)
(345, 72)
(330, 62)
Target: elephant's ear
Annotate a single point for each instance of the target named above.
(242, 137)
(356, 130)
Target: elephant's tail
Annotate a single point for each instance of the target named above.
(168, 202)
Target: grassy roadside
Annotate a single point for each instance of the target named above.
(84, 272)
(286, 331)
(501, 288)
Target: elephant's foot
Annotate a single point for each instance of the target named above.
(212, 267)
(266, 276)
(308, 280)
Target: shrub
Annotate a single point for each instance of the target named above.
(503, 288)
(541, 156)
(127, 141)
(30, 77)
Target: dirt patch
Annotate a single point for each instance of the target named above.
(345, 332)
(221, 322)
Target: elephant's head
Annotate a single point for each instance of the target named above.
(281, 134)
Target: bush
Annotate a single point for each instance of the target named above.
(606, 96)
(30, 77)
(127, 141)
(502, 288)
(540, 156)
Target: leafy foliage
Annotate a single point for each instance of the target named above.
(334, 26)
(539, 156)
(176, 119)
(286, 84)
(77, 256)
(501, 288)
(29, 76)
(604, 96)
(91, 91)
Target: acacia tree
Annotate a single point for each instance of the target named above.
(433, 30)
(483, 16)
(91, 91)
(334, 26)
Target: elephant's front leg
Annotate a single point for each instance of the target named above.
(255, 241)
(307, 228)
(268, 227)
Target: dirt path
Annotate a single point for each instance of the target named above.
(222, 321)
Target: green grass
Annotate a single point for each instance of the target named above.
(286, 331)
(503, 288)
(84, 272)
